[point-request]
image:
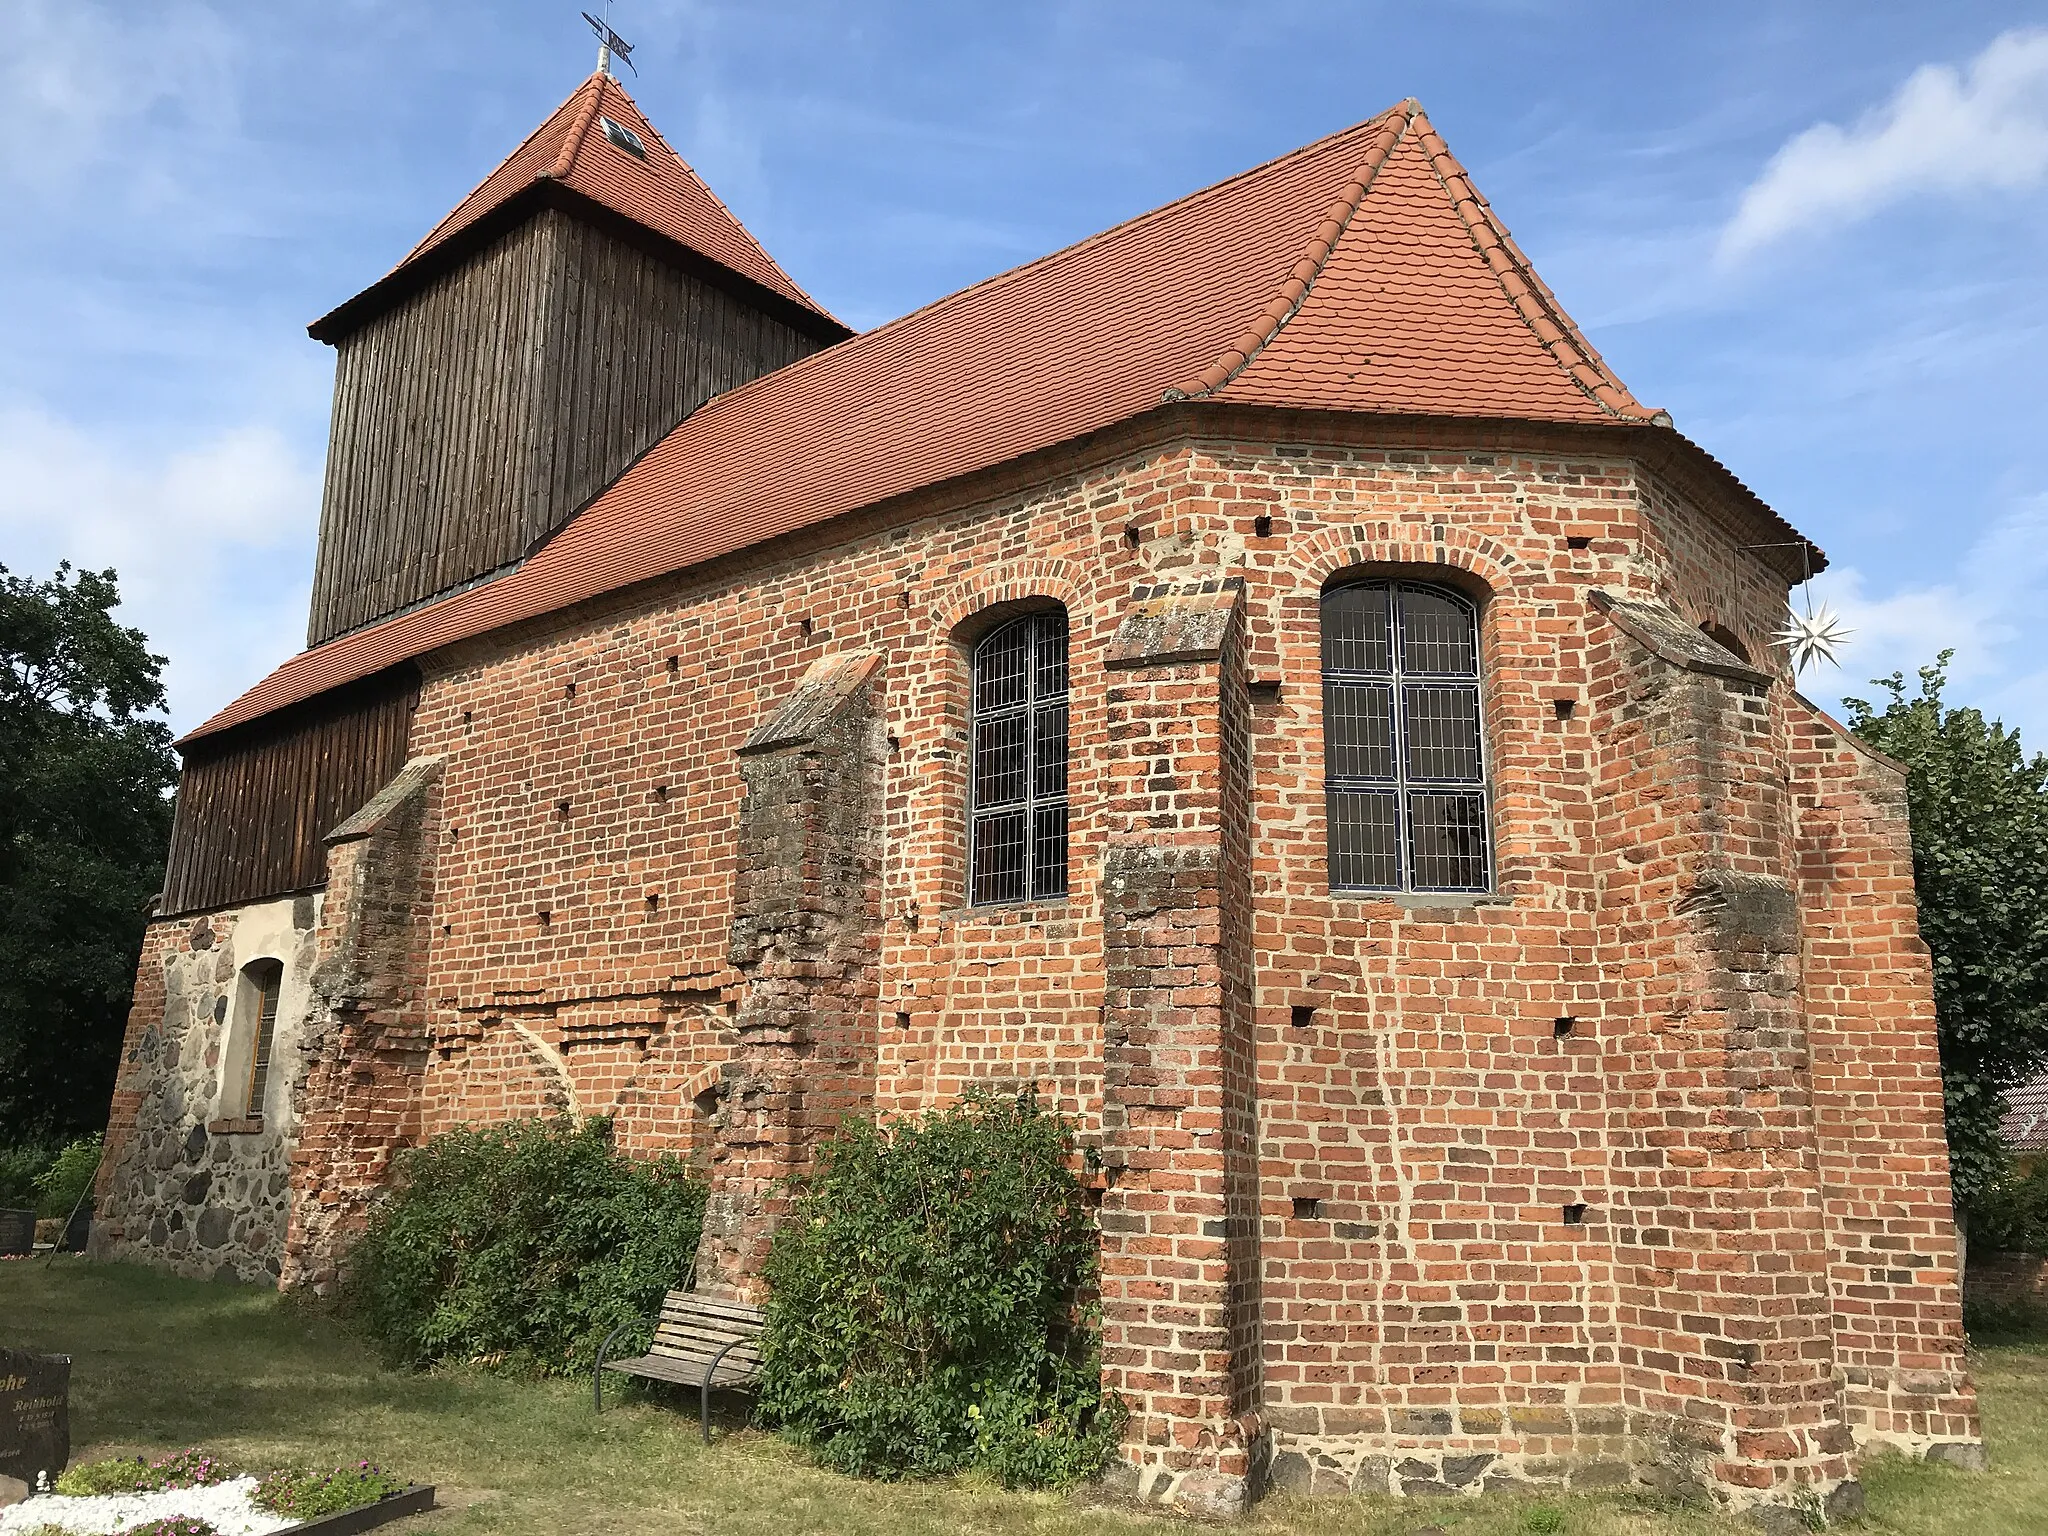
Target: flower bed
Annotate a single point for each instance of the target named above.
(190, 1493)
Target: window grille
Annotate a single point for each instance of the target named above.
(1020, 761)
(1404, 770)
(268, 981)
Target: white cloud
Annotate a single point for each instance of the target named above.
(1944, 131)
(83, 83)
(212, 540)
(1985, 614)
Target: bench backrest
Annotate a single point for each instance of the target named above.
(696, 1326)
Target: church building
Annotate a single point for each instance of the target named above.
(1257, 676)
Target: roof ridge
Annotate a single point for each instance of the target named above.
(1294, 290)
(585, 115)
(712, 193)
(1013, 274)
(463, 202)
(1532, 299)
(1016, 273)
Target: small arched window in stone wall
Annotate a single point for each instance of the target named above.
(245, 1066)
(1404, 763)
(1019, 805)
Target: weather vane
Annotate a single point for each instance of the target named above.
(610, 44)
(1813, 636)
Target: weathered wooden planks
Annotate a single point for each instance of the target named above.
(254, 804)
(479, 415)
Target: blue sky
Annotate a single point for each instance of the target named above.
(1811, 232)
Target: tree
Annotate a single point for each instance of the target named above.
(85, 814)
(1979, 809)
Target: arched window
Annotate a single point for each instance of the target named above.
(1727, 639)
(245, 1068)
(1404, 772)
(1020, 761)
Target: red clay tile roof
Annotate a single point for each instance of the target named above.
(2024, 1126)
(1359, 273)
(660, 193)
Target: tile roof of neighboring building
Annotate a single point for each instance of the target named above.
(2024, 1126)
(1360, 273)
(658, 192)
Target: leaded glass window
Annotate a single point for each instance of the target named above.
(1020, 761)
(1404, 770)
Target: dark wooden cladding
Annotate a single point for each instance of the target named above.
(479, 415)
(254, 804)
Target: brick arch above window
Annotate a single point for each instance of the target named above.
(1328, 553)
(957, 606)
(1286, 597)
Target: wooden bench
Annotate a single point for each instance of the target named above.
(699, 1342)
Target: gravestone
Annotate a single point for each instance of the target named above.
(17, 1232)
(35, 1416)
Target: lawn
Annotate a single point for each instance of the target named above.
(161, 1363)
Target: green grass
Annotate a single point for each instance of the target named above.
(161, 1363)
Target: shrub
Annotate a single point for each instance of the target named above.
(18, 1169)
(931, 1301)
(60, 1186)
(308, 1496)
(180, 1469)
(2011, 1215)
(174, 1525)
(522, 1245)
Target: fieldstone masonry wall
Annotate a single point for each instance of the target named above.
(1629, 1170)
(185, 1185)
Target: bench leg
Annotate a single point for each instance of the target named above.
(597, 1373)
(704, 1401)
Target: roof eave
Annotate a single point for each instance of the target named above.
(1658, 446)
(539, 195)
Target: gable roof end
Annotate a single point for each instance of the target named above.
(569, 162)
(1413, 297)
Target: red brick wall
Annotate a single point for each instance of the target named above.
(1438, 1324)
(1898, 1340)
(2007, 1280)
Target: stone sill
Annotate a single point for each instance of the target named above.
(1421, 903)
(1044, 909)
(242, 1125)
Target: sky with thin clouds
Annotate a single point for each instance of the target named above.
(1810, 231)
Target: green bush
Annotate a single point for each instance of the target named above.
(175, 1525)
(2011, 1215)
(63, 1184)
(522, 1245)
(310, 1495)
(18, 1169)
(931, 1302)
